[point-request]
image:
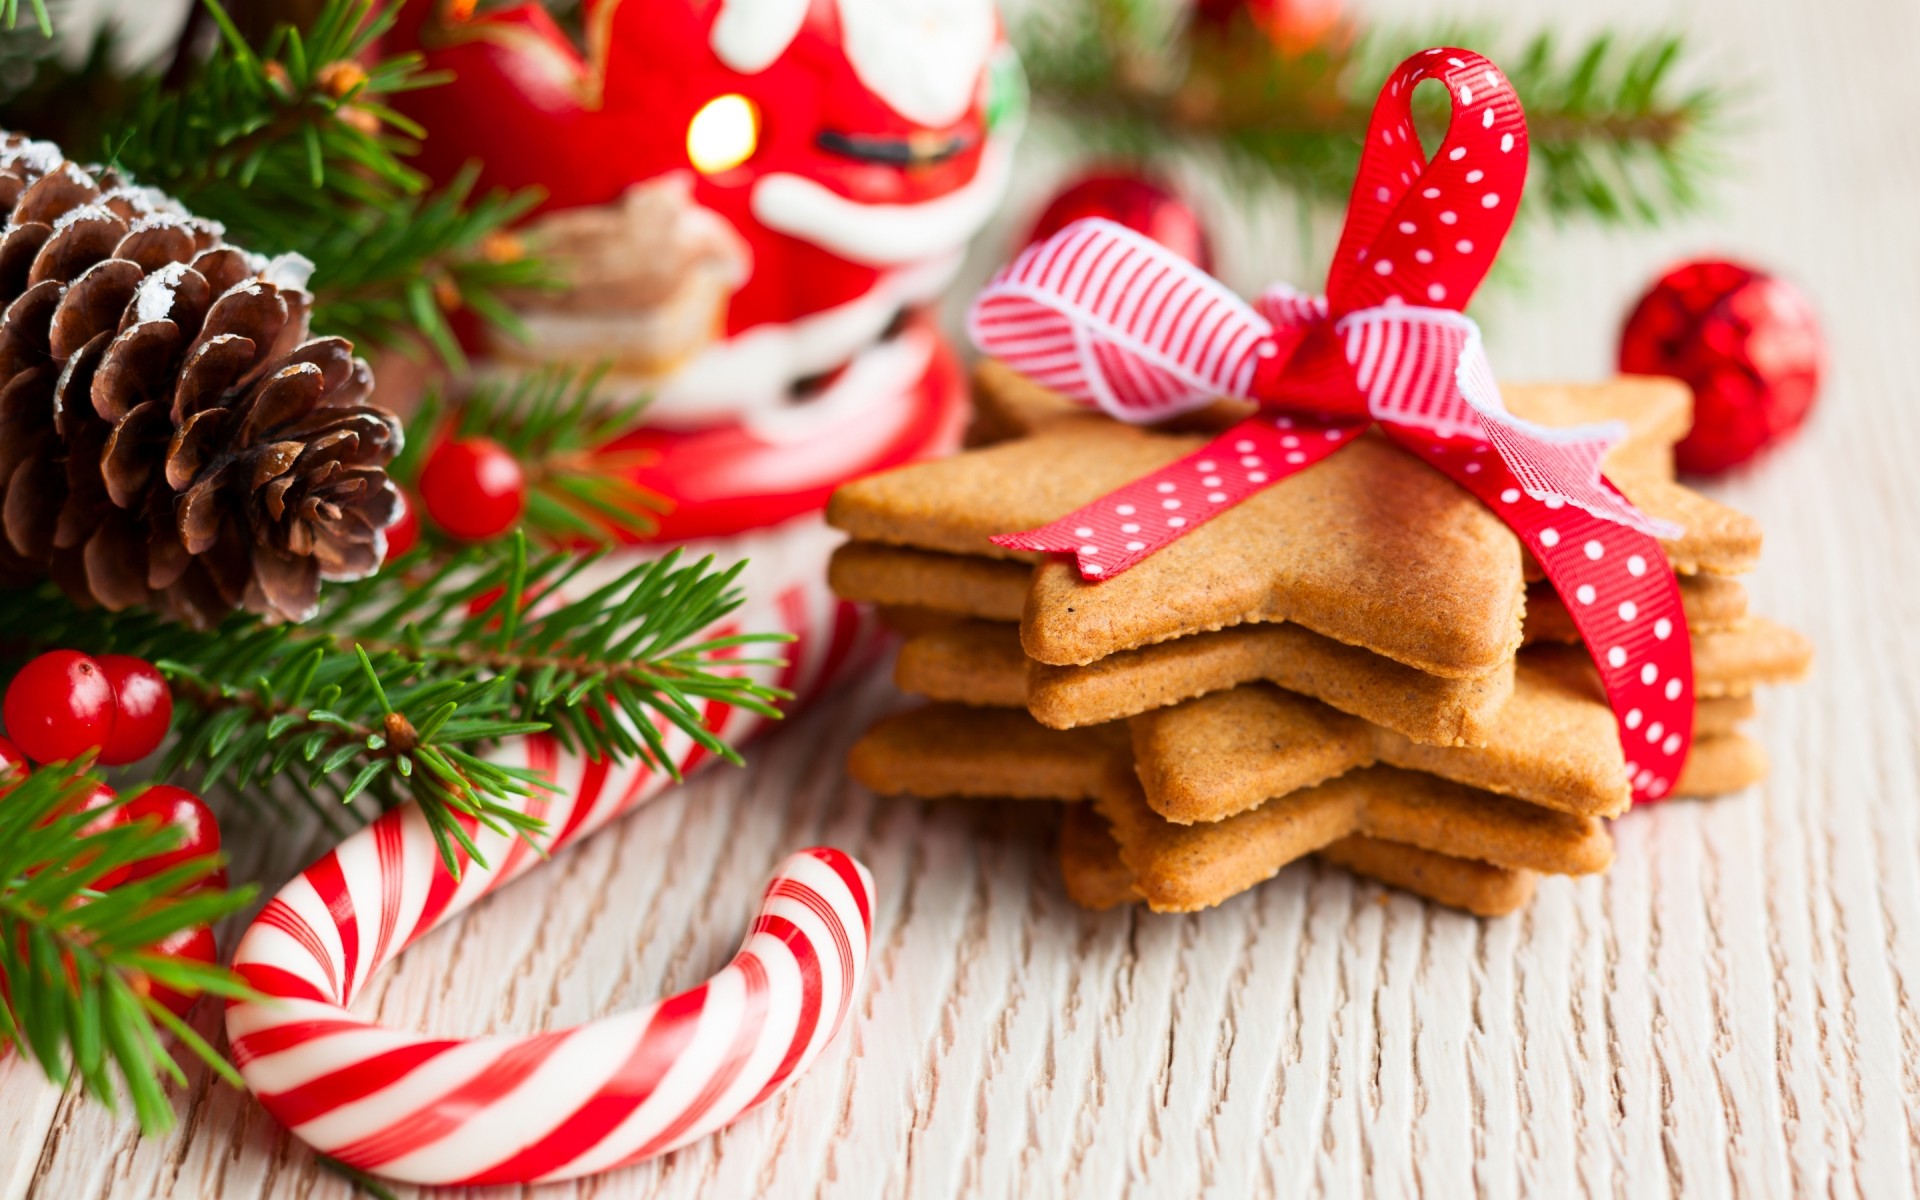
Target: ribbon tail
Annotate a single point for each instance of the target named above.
(1116, 320)
(1622, 595)
(1124, 526)
(1626, 606)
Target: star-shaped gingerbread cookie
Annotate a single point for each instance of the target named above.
(1370, 547)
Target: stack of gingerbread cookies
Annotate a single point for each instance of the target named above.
(1360, 663)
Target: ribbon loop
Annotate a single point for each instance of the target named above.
(1131, 523)
(1099, 313)
(1421, 232)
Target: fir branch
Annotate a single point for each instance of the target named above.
(295, 148)
(49, 90)
(76, 968)
(603, 657)
(282, 125)
(1615, 135)
(43, 20)
(396, 690)
(330, 711)
(412, 260)
(558, 427)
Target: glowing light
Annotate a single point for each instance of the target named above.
(723, 134)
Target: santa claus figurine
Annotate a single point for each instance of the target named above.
(750, 202)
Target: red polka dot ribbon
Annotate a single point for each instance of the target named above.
(1117, 321)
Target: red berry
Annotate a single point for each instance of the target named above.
(59, 706)
(101, 797)
(529, 603)
(404, 534)
(143, 708)
(165, 804)
(194, 944)
(1126, 199)
(473, 488)
(1746, 343)
(96, 797)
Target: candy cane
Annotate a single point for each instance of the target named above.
(571, 1102)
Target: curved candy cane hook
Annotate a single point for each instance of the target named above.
(570, 1102)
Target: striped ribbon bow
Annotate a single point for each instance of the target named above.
(1117, 321)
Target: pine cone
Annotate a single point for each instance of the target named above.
(169, 435)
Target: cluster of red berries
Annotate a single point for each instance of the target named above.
(64, 704)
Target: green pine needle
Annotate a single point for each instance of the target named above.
(293, 146)
(395, 691)
(74, 960)
(10, 15)
(556, 424)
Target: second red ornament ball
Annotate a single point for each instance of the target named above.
(1128, 199)
(1746, 342)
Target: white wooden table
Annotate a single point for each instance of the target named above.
(1735, 1008)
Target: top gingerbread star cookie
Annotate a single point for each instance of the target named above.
(1370, 547)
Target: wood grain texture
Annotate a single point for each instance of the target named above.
(1734, 1009)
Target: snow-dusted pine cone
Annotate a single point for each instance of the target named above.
(169, 434)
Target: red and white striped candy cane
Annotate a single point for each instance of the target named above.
(577, 1101)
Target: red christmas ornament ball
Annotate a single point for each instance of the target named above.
(143, 708)
(473, 488)
(1127, 199)
(176, 806)
(193, 944)
(1748, 345)
(59, 706)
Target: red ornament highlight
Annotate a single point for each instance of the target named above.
(1140, 204)
(1747, 343)
(143, 709)
(59, 706)
(837, 142)
(473, 488)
